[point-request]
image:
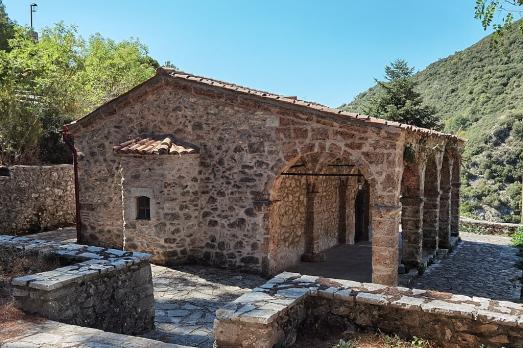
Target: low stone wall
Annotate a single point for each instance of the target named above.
(487, 227)
(36, 198)
(289, 304)
(102, 288)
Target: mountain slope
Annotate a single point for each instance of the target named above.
(478, 92)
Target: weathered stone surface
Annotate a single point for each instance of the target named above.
(36, 198)
(445, 319)
(50, 334)
(98, 287)
(481, 265)
(188, 298)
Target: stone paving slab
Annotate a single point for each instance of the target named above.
(63, 234)
(186, 300)
(47, 333)
(481, 265)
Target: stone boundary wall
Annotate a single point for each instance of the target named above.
(487, 227)
(275, 313)
(106, 289)
(36, 198)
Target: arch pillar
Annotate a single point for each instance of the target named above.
(454, 197)
(444, 203)
(385, 243)
(412, 204)
(431, 206)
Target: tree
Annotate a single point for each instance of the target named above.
(20, 128)
(47, 83)
(487, 10)
(398, 101)
(111, 68)
(6, 28)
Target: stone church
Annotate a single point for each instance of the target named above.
(193, 169)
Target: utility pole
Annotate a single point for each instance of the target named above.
(32, 9)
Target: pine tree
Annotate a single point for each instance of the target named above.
(398, 101)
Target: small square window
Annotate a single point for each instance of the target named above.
(143, 208)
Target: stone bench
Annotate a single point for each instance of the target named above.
(275, 313)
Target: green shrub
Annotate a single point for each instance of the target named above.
(344, 344)
(517, 238)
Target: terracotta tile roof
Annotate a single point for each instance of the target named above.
(336, 115)
(295, 101)
(155, 145)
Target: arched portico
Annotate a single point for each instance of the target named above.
(312, 208)
(320, 200)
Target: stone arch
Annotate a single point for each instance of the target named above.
(444, 201)
(294, 200)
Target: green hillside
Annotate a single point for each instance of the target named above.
(478, 93)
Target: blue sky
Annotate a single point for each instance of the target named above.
(325, 50)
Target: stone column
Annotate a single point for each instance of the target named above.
(444, 205)
(342, 211)
(352, 187)
(311, 254)
(431, 205)
(411, 224)
(412, 187)
(385, 243)
(454, 198)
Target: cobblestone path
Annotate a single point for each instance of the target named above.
(187, 299)
(481, 265)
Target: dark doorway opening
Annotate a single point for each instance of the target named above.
(361, 213)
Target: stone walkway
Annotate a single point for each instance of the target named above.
(187, 299)
(481, 265)
(42, 333)
(341, 262)
(64, 234)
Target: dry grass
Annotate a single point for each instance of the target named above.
(380, 340)
(359, 339)
(13, 321)
(8, 311)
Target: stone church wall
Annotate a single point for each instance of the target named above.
(36, 198)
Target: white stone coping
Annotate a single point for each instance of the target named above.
(91, 261)
(271, 300)
(489, 223)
